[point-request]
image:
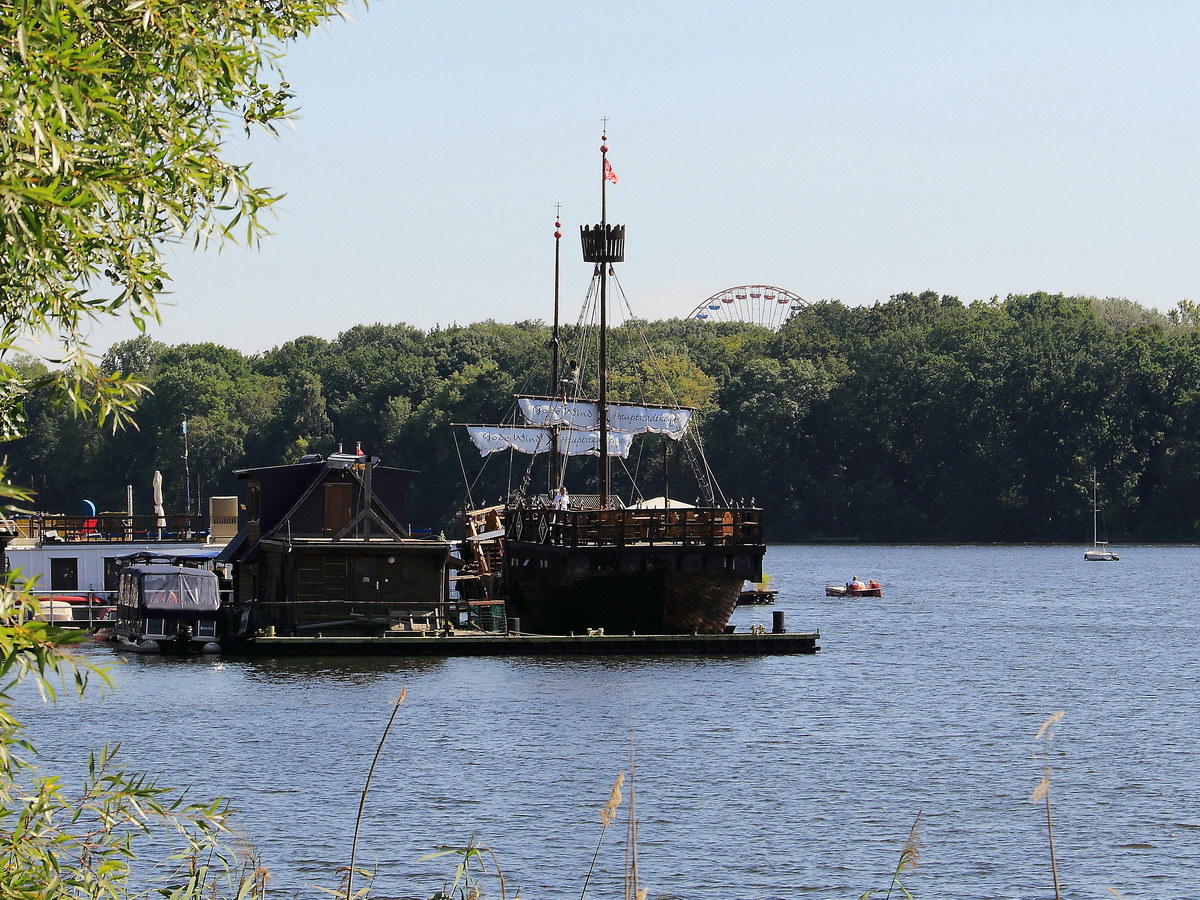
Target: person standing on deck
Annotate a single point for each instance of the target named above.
(562, 498)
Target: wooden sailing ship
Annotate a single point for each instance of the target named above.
(598, 565)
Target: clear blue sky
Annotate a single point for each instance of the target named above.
(848, 150)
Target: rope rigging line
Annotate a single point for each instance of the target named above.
(695, 455)
(467, 483)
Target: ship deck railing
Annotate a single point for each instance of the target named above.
(698, 526)
(107, 527)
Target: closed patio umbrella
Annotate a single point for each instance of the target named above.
(156, 484)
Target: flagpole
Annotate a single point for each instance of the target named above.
(187, 477)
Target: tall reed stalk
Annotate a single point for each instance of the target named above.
(910, 856)
(608, 815)
(632, 890)
(1042, 791)
(362, 802)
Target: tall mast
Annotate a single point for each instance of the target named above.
(555, 362)
(603, 245)
(602, 399)
(556, 386)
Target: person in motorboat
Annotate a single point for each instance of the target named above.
(874, 585)
(855, 584)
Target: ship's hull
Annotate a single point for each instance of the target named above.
(660, 590)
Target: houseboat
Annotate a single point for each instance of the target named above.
(76, 561)
(323, 552)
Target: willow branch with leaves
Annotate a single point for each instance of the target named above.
(113, 120)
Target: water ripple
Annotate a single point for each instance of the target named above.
(766, 777)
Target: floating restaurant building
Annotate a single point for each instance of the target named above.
(323, 551)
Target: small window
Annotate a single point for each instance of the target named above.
(206, 628)
(253, 502)
(64, 573)
(155, 626)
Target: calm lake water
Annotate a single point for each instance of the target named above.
(765, 777)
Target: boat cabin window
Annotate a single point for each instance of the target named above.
(206, 628)
(64, 573)
(155, 626)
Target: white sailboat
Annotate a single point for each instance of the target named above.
(1099, 551)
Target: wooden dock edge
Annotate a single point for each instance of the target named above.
(538, 645)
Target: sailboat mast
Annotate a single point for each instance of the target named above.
(603, 245)
(1095, 510)
(555, 361)
(602, 399)
(555, 478)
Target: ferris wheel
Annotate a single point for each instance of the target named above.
(760, 304)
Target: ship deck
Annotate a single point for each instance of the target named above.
(713, 527)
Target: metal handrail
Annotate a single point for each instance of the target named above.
(107, 527)
(99, 614)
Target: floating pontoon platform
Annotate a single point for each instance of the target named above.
(463, 644)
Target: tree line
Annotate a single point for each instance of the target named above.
(916, 419)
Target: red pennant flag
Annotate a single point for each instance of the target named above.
(609, 174)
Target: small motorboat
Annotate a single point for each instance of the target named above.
(842, 590)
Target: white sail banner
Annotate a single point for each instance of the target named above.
(583, 415)
(537, 440)
(493, 439)
(580, 443)
(657, 419)
(624, 418)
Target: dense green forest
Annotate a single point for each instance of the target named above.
(916, 419)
